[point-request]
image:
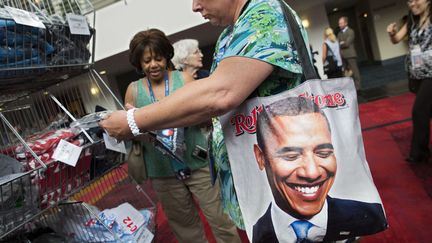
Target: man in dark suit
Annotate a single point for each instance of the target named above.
(295, 149)
(346, 37)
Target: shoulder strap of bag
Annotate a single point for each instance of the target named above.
(302, 52)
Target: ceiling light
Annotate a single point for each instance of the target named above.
(94, 91)
(305, 23)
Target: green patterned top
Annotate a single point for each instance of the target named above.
(159, 165)
(259, 33)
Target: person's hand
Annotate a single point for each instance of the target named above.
(129, 106)
(342, 42)
(115, 124)
(391, 29)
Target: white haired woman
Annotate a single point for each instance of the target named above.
(188, 58)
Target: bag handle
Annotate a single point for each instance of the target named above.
(302, 52)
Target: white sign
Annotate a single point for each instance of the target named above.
(67, 153)
(78, 24)
(127, 216)
(112, 144)
(25, 18)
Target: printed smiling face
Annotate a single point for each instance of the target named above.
(299, 161)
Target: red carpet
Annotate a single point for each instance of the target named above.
(406, 190)
(403, 187)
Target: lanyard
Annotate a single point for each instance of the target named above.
(152, 96)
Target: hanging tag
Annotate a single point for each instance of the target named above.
(67, 153)
(25, 18)
(77, 24)
(112, 144)
(144, 236)
(416, 57)
(127, 216)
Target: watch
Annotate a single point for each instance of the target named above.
(131, 122)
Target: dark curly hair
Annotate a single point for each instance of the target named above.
(154, 39)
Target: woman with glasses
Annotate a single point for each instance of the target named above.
(418, 28)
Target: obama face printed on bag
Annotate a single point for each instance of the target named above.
(297, 154)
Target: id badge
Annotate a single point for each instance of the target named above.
(416, 57)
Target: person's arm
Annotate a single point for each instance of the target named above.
(349, 40)
(130, 99)
(397, 36)
(324, 52)
(130, 102)
(231, 83)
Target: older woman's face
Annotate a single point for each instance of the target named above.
(418, 6)
(218, 12)
(194, 59)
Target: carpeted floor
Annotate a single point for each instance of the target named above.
(406, 190)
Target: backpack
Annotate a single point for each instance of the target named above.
(330, 65)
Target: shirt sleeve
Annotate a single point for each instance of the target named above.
(261, 33)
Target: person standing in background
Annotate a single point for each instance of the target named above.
(418, 28)
(331, 49)
(252, 59)
(188, 58)
(150, 52)
(346, 38)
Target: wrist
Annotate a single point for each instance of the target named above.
(131, 122)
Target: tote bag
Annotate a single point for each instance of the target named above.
(299, 169)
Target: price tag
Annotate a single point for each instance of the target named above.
(112, 144)
(78, 24)
(144, 236)
(127, 216)
(67, 153)
(25, 18)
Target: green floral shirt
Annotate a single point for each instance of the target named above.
(259, 33)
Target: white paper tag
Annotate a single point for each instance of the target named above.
(112, 144)
(78, 24)
(416, 57)
(144, 236)
(25, 18)
(67, 153)
(127, 216)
